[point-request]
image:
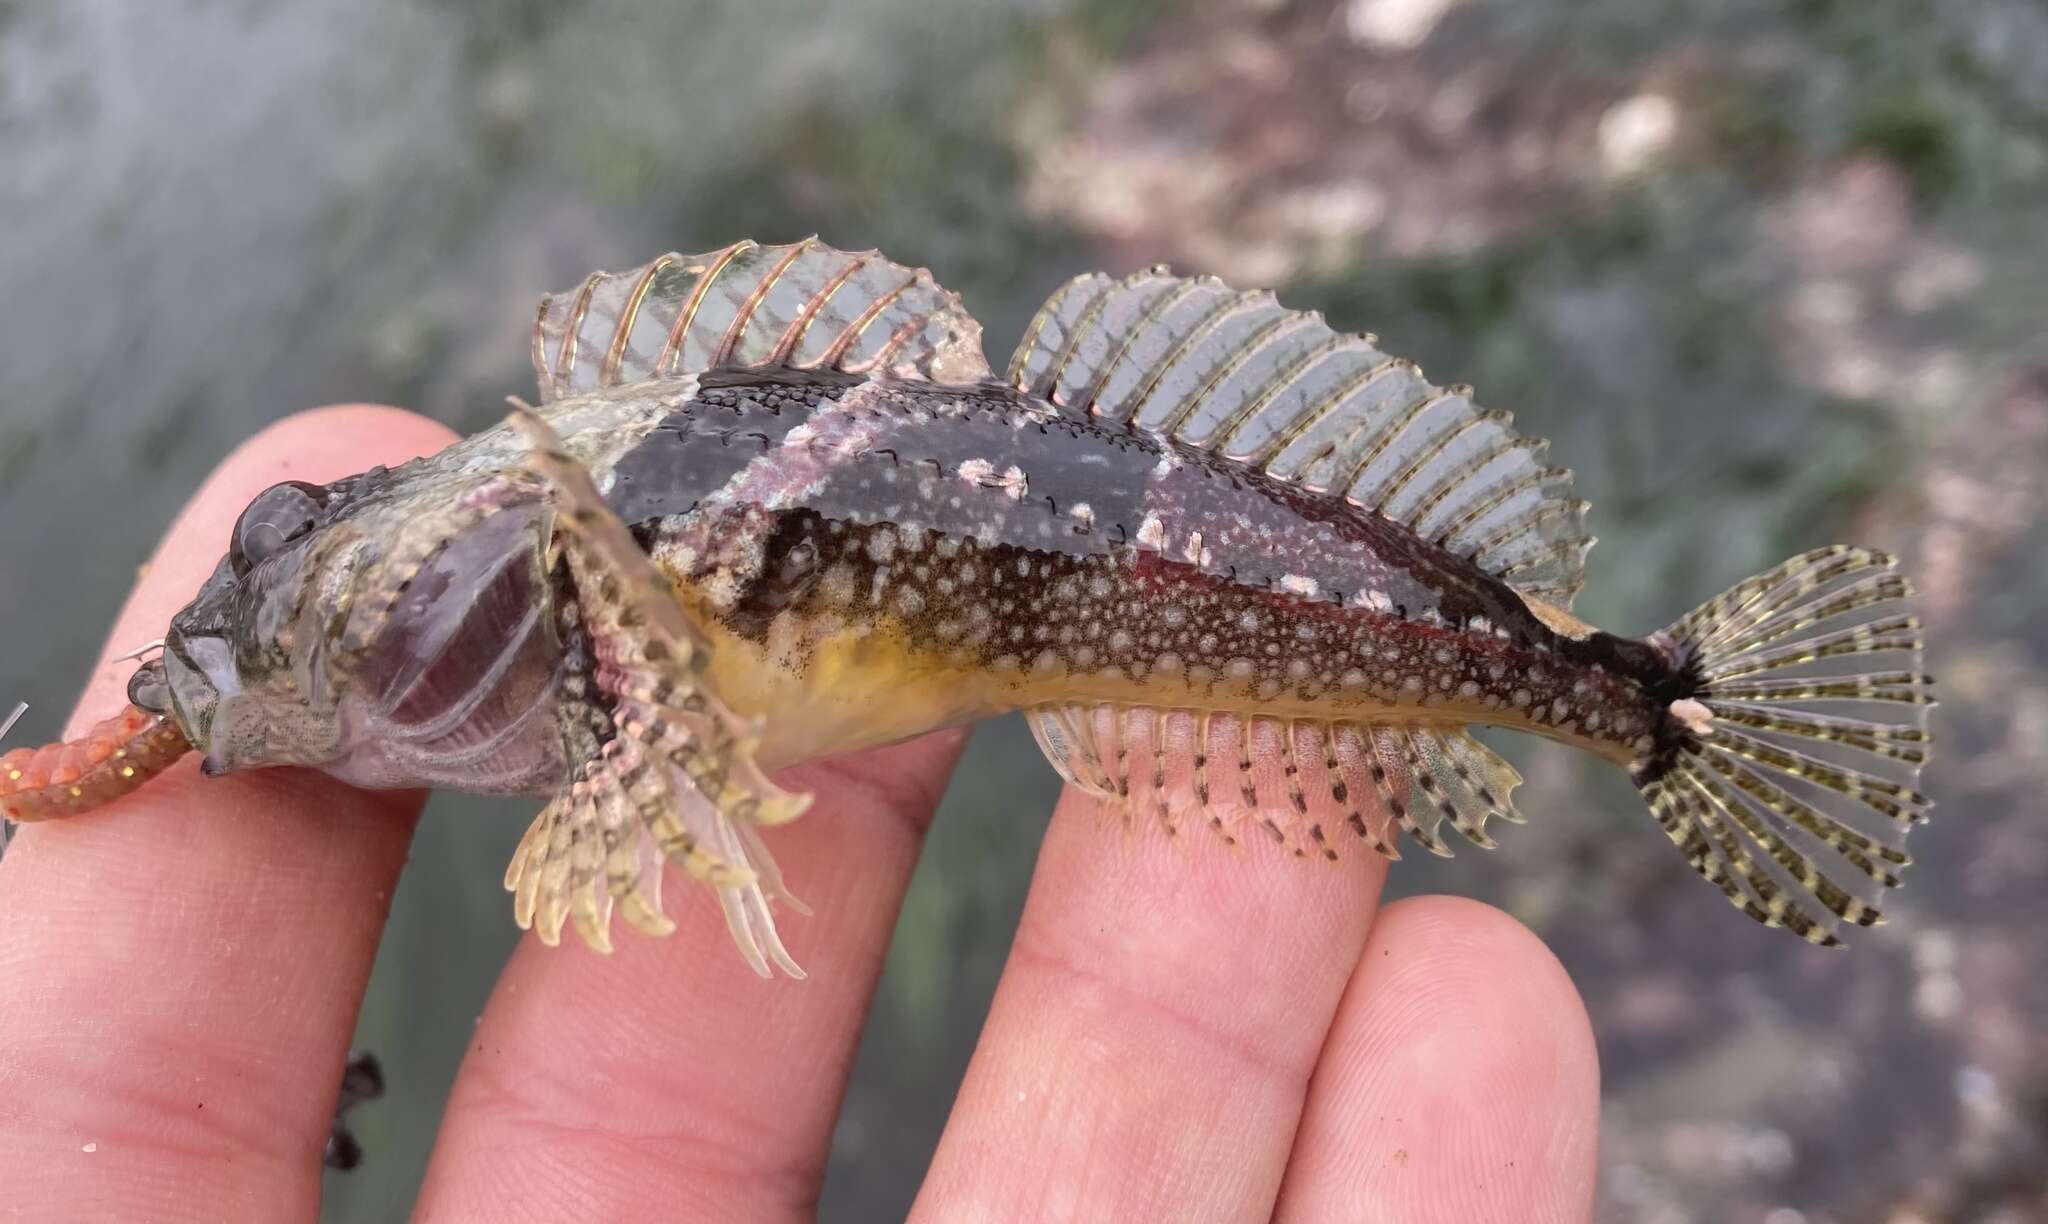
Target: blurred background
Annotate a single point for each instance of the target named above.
(1770, 272)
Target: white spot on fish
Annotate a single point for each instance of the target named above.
(1300, 584)
(1152, 532)
(1694, 716)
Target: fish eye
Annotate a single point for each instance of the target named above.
(280, 514)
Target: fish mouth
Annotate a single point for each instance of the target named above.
(197, 671)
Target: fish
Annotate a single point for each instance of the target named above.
(1247, 577)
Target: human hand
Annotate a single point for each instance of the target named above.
(1181, 1033)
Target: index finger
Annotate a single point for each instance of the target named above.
(183, 968)
(666, 1081)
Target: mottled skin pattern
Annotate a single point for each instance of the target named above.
(877, 559)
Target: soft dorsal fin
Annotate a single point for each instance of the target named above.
(1239, 374)
(804, 305)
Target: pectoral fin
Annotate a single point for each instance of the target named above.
(665, 771)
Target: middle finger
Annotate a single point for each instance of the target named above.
(1151, 1041)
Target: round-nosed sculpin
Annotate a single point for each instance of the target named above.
(1241, 572)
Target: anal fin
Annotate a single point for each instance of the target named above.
(1307, 784)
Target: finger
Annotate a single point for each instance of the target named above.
(182, 969)
(666, 1081)
(1152, 1038)
(1458, 1083)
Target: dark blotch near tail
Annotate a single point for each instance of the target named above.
(1679, 679)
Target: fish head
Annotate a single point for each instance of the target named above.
(395, 628)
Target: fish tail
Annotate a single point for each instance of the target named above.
(1786, 760)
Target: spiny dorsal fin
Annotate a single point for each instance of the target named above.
(1239, 374)
(804, 305)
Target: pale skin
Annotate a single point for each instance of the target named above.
(1182, 1032)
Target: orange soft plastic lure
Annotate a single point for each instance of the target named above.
(116, 756)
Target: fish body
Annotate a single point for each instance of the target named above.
(889, 558)
(1238, 569)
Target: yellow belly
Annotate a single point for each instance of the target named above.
(827, 687)
(822, 689)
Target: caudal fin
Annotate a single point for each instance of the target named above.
(1789, 773)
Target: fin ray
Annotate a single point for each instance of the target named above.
(663, 761)
(803, 305)
(1297, 781)
(1238, 374)
(1801, 751)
